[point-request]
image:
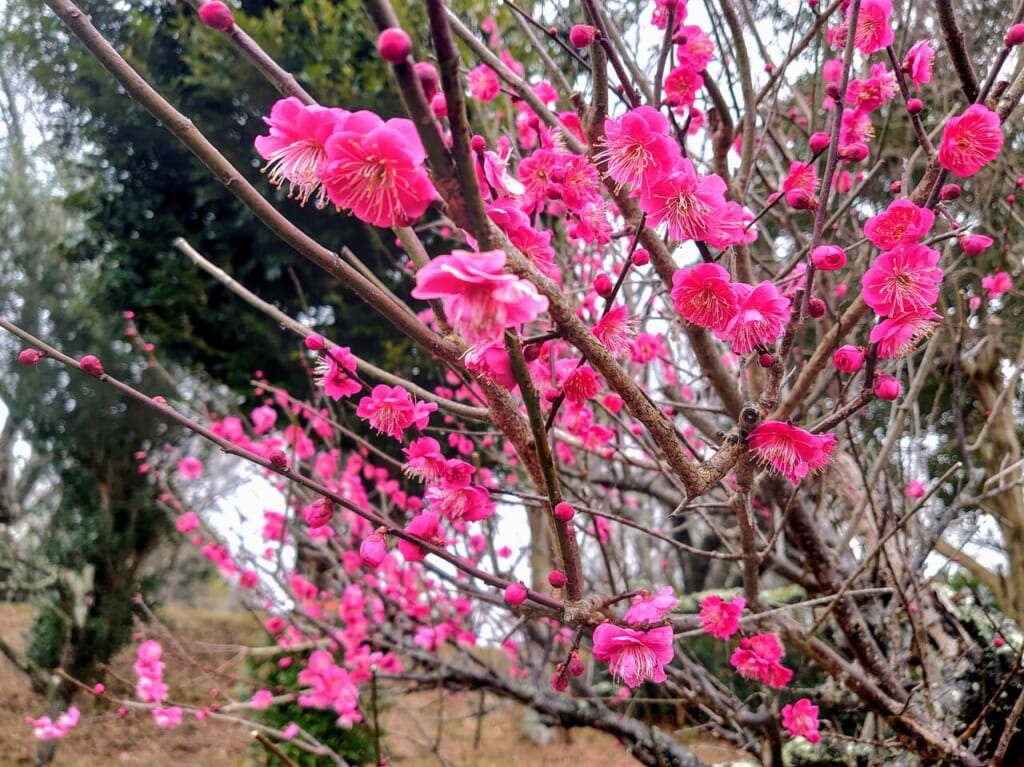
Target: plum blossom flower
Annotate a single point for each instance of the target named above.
(902, 221)
(848, 359)
(800, 719)
(914, 489)
(758, 657)
(375, 169)
(970, 141)
(389, 409)
(483, 83)
(868, 95)
(686, 202)
(899, 334)
(295, 149)
(705, 295)
(975, 244)
(45, 728)
(651, 608)
(760, 316)
(634, 656)
(190, 468)
(481, 299)
(828, 258)
(790, 450)
(581, 384)
(333, 372)
(639, 150)
(719, 618)
(902, 279)
(873, 31)
(917, 64)
(997, 284)
(800, 185)
(422, 526)
(615, 329)
(426, 463)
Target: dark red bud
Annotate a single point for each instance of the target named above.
(30, 357)
(216, 15)
(394, 45)
(766, 360)
(949, 192)
(815, 307)
(91, 365)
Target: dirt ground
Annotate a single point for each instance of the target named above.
(425, 728)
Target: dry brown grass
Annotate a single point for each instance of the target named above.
(425, 728)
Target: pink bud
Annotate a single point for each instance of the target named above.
(766, 360)
(854, 152)
(439, 106)
(914, 106)
(216, 15)
(314, 342)
(575, 666)
(801, 199)
(551, 394)
(556, 578)
(564, 511)
(30, 357)
(319, 513)
(278, 459)
(949, 192)
(641, 257)
(428, 78)
(896, 187)
(887, 387)
(91, 365)
(372, 551)
(515, 593)
(848, 359)
(603, 285)
(531, 352)
(478, 143)
(828, 258)
(998, 641)
(394, 45)
(819, 141)
(832, 91)
(582, 35)
(973, 244)
(815, 307)
(1015, 36)
(559, 680)
(99, 688)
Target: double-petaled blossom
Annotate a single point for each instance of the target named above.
(483, 83)
(899, 334)
(901, 221)
(295, 150)
(790, 450)
(760, 316)
(758, 657)
(375, 169)
(686, 202)
(800, 720)
(639, 150)
(719, 618)
(633, 656)
(455, 498)
(704, 294)
(329, 686)
(334, 372)
(581, 384)
(917, 64)
(480, 298)
(651, 608)
(970, 141)
(902, 279)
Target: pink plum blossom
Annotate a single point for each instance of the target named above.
(334, 373)
(997, 284)
(719, 618)
(705, 295)
(917, 64)
(686, 202)
(902, 221)
(970, 141)
(634, 656)
(758, 657)
(639, 149)
(759, 319)
(897, 335)
(790, 450)
(651, 608)
(800, 720)
(902, 279)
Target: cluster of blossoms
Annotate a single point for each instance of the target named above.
(44, 728)
(149, 684)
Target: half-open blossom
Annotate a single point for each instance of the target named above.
(917, 64)
(480, 298)
(758, 657)
(760, 316)
(800, 720)
(190, 468)
(848, 359)
(975, 244)
(800, 185)
(634, 656)
(651, 608)
(686, 202)
(295, 150)
(425, 460)
(639, 150)
(790, 450)
(375, 169)
(901, 221)
(719, 618)
(887, 387)
(970, 141)
(704, 295)
(914, 489)
(334, 372)
(899, 334)
(828, 258)
(902, 279)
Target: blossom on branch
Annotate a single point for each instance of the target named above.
(758, 657)
(970, 141)
(800, 720)
(719, 618)
(790, 450)
(634, 657)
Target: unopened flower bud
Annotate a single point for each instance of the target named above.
(319, 513)
(582, 35)
(478, 143)
(603, 285)
(314, 342)
(887, 387)
(832, 91)
(428, 78)
(801, 199)
(372, 551)
(854, 152)
(973, 244)
(515, 593)
(556, 578)
(998, 642)
(439, 106)
(30, 357)
(531, 352)
(914, 106)
(575, 665)
(394, 45)
(640, 257)
(828, 258)
(896, 187)
(1015, 36)
(559, 680)
(278, 459)
(949, 192)
(766, 360)
(564, 511)
(848, 359)
(819, 141)
(91, 365)
(815, 307)
(216, 15)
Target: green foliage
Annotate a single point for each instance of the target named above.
(354, 744)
